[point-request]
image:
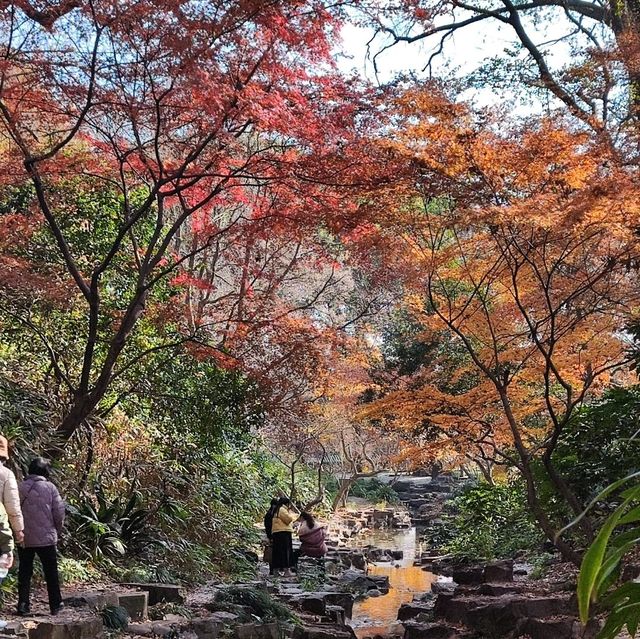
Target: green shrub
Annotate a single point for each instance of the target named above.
(261, 603)
(598, 446)
(73, 571)
(374, 490)
(115, 617)
(488, 522)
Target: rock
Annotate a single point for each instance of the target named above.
(522, 569)
(327, 632)
(468, 575)
(343, 599)
(498, 590)
(135, 603)
(336, 615)
(161, 629)
(380, 582)
(397, 554)
(91, 599)
(356, 581)
(267, 631)
(14, 629)
(412, 610)
(374, 593)
(359, 561)
(225, 618)
(443, 587)
(315, 604)
(498, 616)
(382, 518)
(161, 593)
(207, 627)
(413, 630)
(142, 629)
(77, 629)
(498, 571)
(557, 628)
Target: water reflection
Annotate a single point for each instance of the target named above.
(378, 615)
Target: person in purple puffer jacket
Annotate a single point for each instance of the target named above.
(43, 511)
(312, 539)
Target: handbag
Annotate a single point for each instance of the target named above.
(267, 552)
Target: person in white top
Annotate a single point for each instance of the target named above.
(9, 495)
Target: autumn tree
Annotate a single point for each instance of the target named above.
(528, 264)
(580, 52)
(191, 134)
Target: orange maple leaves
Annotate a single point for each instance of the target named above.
(515, 245)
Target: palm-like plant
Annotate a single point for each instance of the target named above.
(599, 589)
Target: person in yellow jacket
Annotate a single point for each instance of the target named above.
(281, 536)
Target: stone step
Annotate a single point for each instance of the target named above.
(498, 616)
(90, 628)
(161, 593)
(556, 628)
(418, 630)
(135, 603)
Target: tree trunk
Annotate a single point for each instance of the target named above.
(85, 403)
(625, 24)
(567, 552)
(340, 499)
(563, 489)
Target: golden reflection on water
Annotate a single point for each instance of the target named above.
(378, 615)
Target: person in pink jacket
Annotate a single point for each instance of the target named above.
(312, 538)
(43, 511)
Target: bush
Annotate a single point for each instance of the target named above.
(488, 522)
(598, 446)
(74, 571)
(374, 490)
(260, 602)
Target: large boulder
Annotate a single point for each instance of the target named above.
(327, 632)
(207, 627)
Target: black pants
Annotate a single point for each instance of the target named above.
(49, 558)
(282, 550)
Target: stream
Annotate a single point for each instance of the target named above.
(378, 615)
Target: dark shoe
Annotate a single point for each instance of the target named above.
(57, 609)
(23, 609)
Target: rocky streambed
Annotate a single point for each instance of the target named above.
(378, 582)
